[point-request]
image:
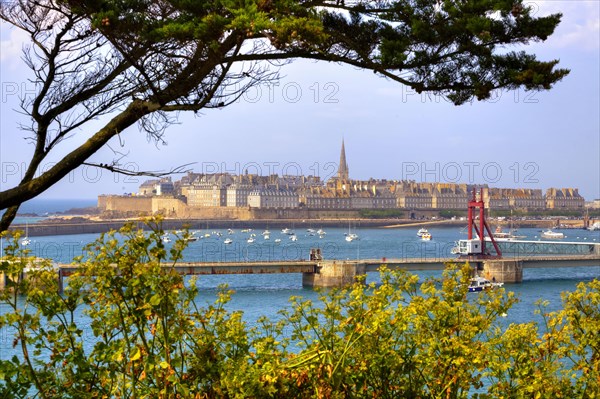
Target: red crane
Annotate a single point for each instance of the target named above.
(475, 204)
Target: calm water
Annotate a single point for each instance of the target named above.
(265, 295)
(374, 243)
(47, 207)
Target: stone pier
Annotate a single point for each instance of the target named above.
(334, 274)
(503, 270)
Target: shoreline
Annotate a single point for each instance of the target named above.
(89, 226)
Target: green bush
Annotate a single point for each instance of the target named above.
(400, 338)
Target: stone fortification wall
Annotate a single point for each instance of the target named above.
(218, 212)
(175, 208)
(169, 207)
(125, 204)
(102, 199)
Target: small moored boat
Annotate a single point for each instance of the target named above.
(351, 237)
(191, 237)
(479, 283)
(552, 235)
(421, 232)
(26, 240)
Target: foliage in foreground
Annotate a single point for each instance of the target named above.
(126, 326)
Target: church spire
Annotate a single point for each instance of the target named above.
(343, 166)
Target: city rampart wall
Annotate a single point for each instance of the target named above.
(169, 207)
(125, 204)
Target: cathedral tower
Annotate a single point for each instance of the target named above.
(343, 166)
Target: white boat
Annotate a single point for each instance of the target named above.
(421, 232)
(230, 231)
(266, 232)
(293, 237)
(426, 236)
(267, 237)
(166, 238)
(351, 237)
(191, 237)
(26, 241)
(455, 250)
(500, 235)
(286, 231)
(250, 240)
(321, 232)
(228, 241)
(552, 235)
(278, 240)
(594, 227)
(479, 283)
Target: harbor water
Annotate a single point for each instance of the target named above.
(265, 295)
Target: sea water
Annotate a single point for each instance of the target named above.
(44, 208)
(267, 294)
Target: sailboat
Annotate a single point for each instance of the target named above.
(351, 236)
(26, 241)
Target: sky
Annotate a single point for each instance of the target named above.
(523, 139)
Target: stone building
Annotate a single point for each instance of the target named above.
(237, 195)
(494, 198)
(162, 186)
(449, 196)
(206, 195)
(564, 198)
(273, 198)
(529, 199)
(412, 195)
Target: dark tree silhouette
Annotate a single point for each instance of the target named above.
(136, 61)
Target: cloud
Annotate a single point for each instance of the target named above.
(11, 45)
(580, 25)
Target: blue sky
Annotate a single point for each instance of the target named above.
(518, 139)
